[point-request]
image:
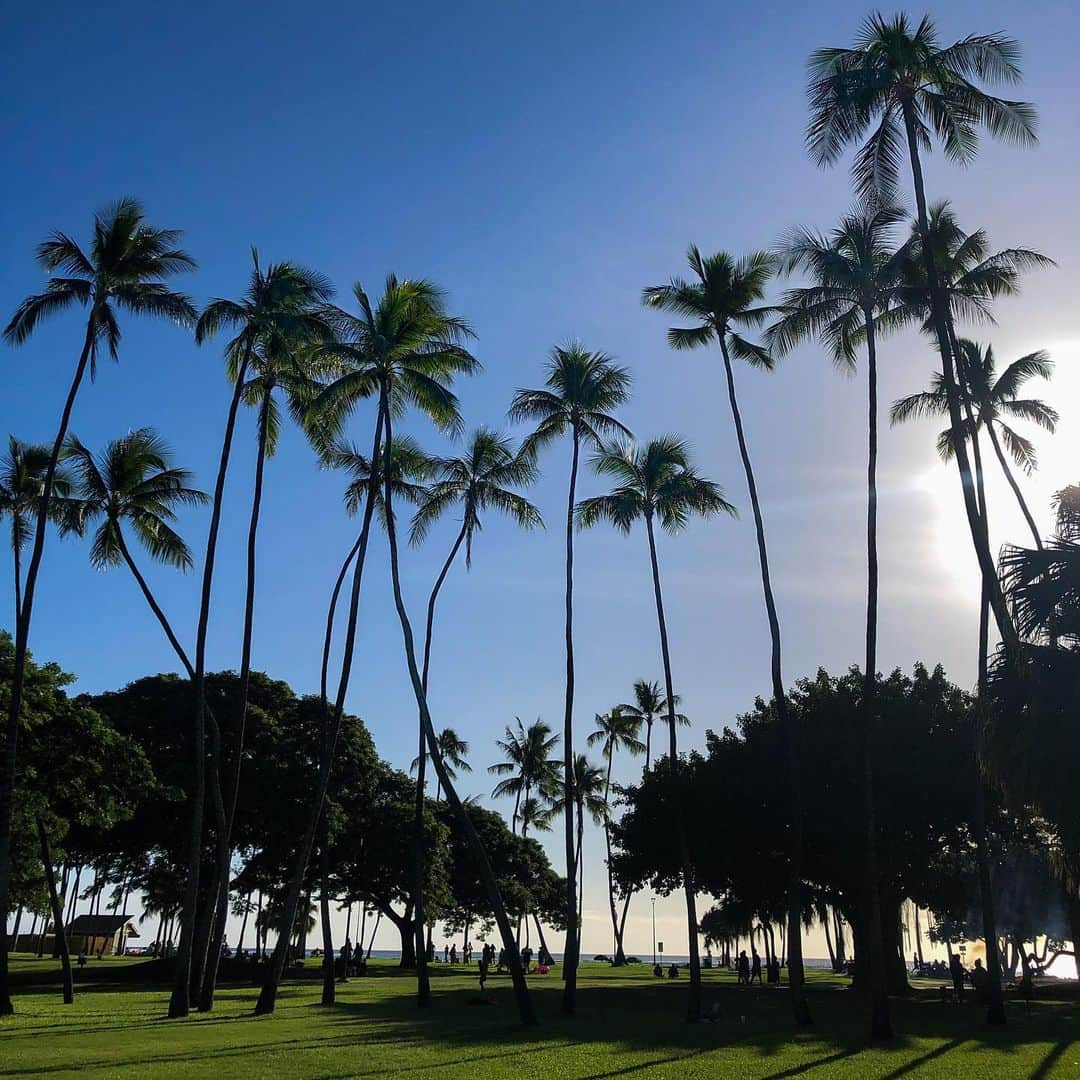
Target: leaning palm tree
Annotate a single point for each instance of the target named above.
(725, 297)
(22, 483)
(588, 794)
(281, 302)
(616, 730)
(648, 706)
(903, 80)
(453, 749)
(479, 480)
(581, 390)
(124, 270)
(993, 397)
(657, 483)
(440, 354)
(856, 272)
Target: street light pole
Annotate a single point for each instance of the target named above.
(654, 931)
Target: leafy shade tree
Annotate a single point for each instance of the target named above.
(649, 705)
(22, 481)
(995, 399)
(900, 81)
(124, 270)
(481, 479)
(726, 295)
(856, 272)
(616, 731)
(527, 766)
(656, 483)
(283, 303)
(581, 391)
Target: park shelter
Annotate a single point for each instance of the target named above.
(104, 935)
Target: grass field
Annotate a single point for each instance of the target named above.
(629, 1025)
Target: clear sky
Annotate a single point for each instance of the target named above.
(543, 163)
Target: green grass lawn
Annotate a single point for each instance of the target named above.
(629, 1025)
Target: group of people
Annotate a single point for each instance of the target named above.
(749, 969)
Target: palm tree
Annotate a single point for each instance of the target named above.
(658, 483)
(589, 797)
(903, 80)
(857, 272)
(281, 303)
(580, 392)
(726, 295)
(992, 397)
(22, 482)
(453, 749)
(616, 730)
(124, 270)
(527, 766)
(438, 353)
(477, 481)
(649, 705)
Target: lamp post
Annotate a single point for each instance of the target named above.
(654, 931)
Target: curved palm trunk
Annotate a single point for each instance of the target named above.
(796, 977)
(232, 785)
(268, 994)
(423, 981)
(580, 870)
(616, 929)
(329, 989)
(941, 322)
(693, 1005)
(570, 954)
(180, 1002)
(880, 1019)
(521, 989)
(18, 675)
(59, 930)
(1010, 476)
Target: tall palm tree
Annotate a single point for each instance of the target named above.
(725, 296)
(856, 274)
(479, 480)
(22, 483)
(616, 731)
(124, 270)
(527, 766)
(657, 483)
(282, 301)
(648, 706)
(992, 397)
(587, 793)
(580, 392)
(439, 352)
(453, 749)
(902, 80)
(282, 365)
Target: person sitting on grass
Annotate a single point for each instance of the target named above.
(673, 972)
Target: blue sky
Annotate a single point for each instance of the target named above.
(543, 163)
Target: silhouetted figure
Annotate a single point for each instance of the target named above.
(453, 953)
(526, 957)
(956, 970)
(658, 971)
(485, 961)
(755, 968)
(744, 969)
(980, 981)
(673, 972)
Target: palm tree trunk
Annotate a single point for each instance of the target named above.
(1009, 475)
(268, 993)
(880, 1020)
(693, 1007)
(243, 925)
(828, 941)
(232, 785)
(18, 576)
(18, 674)
(796, 977)
(570, 957)
(180, 1002)
(59, 930)
(329, 990)
(619, 957)
(521, 990)
(941, 320)
(580, 811)
(423, 981)
(648, 744)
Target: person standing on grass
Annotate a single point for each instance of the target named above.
(744, 969)
(755, 967)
